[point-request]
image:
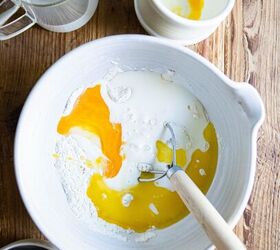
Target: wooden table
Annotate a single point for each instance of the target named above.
(246, 47)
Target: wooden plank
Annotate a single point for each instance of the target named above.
(245, 47)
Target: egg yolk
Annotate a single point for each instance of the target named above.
(154, 206)
(196, 7)
(91, 113)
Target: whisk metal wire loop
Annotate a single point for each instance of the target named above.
(148, 168)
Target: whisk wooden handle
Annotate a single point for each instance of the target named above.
(214, 225)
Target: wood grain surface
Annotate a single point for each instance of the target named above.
(245, 47)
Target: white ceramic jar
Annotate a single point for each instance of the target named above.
(160, 21)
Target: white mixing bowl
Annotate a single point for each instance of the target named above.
(235, 109)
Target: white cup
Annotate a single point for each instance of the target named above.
(160, 21)
(53, 15)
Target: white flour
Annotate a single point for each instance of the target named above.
(74, 176)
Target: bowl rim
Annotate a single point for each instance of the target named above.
(201, 22)
(30, 242)
(233, 219)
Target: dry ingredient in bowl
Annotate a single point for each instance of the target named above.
(111, 126)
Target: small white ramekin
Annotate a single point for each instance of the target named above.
(159, 21)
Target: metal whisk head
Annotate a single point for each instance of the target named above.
(150, 169)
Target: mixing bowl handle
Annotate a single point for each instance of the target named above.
(214, 225)
(250, 101)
